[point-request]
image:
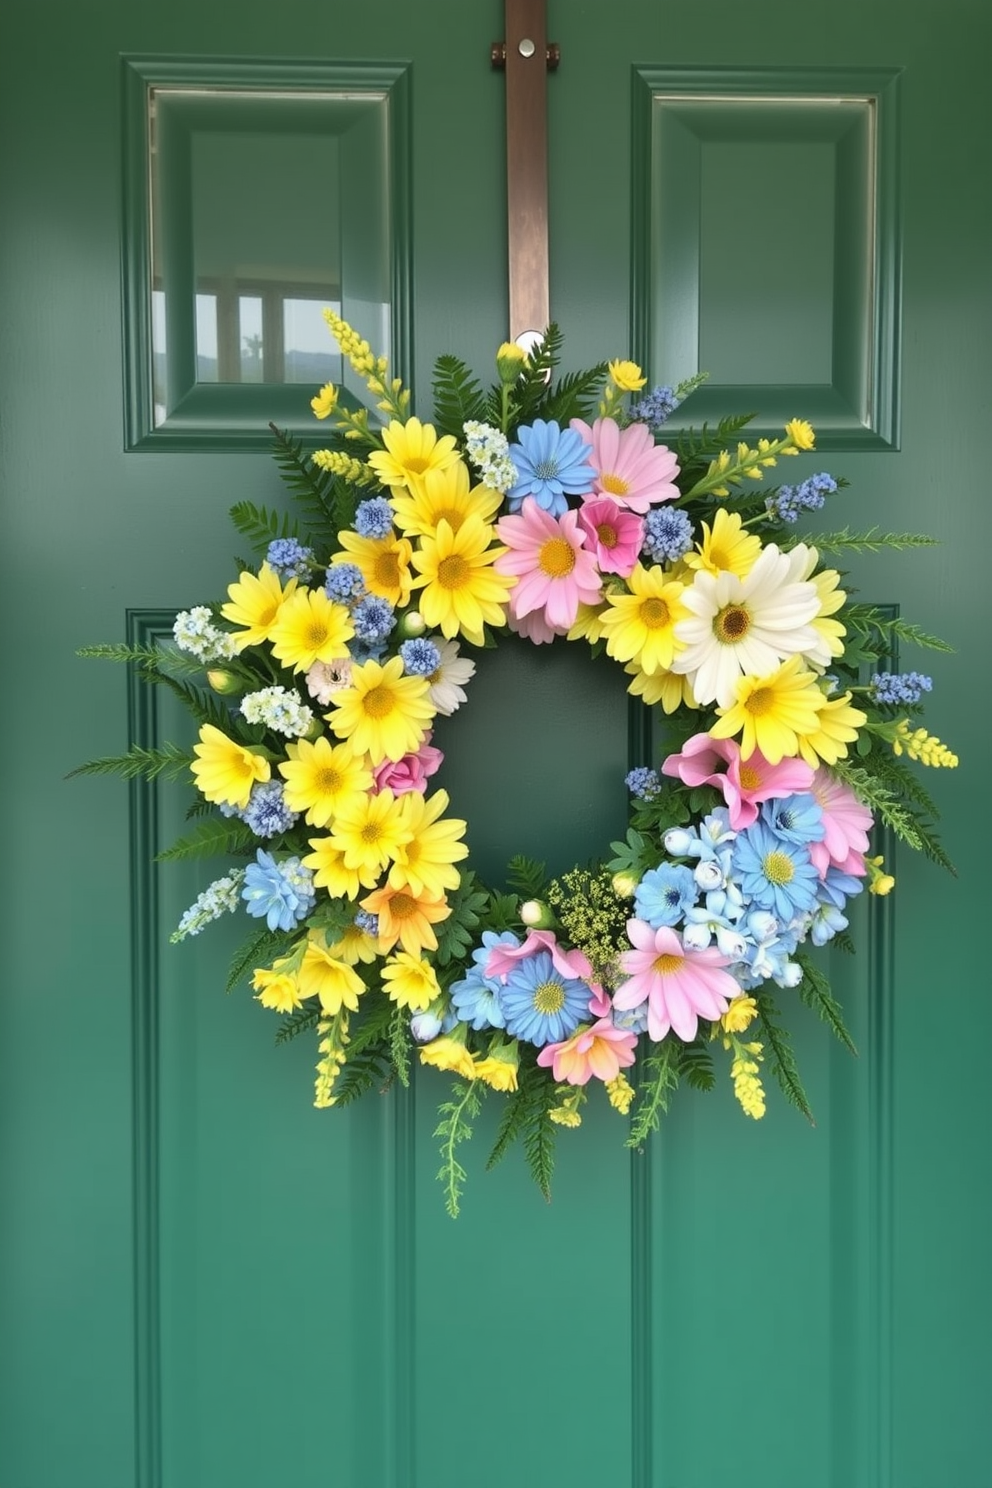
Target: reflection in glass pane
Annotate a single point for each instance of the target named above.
(158, 357)
(309, 347)
(206, 338)
(250, 329)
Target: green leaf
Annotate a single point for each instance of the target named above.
(297, 1022)
(168, 761)
(872, 541)
(218, 835)
(511, 1125)
(261, 950)
(261, 526)
(457, 396)
(539, 1137)
(783, 1059)
(695, 1065)
(814, 991)
(526, 876)
(325, 505)
(454, 1127)
(659, 1077)
(399, 1044)
(369, 1062)
(575, 396)
(456, 933)
(634, 855)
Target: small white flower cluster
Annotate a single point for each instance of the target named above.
(221, 897)
(278, 708)
(195, 632)
(489, 450)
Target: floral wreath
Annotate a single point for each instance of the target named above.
(551, 506)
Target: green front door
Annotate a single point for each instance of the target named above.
(206, 1283)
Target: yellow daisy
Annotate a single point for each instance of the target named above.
(588, 624)
(771, 713)
(254, 602)
(424, 862)
(369, 831)
(800, 435)
(319, 776)
(275, 987)
(837, 725)
(330, 873)
(727, 546)
(461, 591)
(310, 627)
(411, 983)
(640, 626)
(355, 944)
(443, 495)
(499, 1068)
(412, 449)
(382, 713)
(224, 771)
(627, 376)
(334, 982)
(406, 917)
(384, 563)
(449, 1053)
(669, 689)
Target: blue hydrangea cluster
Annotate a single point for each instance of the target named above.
(373, 619)
(667, 534)
(374, 518)
(281, 893)
(421, 658)
(655, 407)
(643, 783)
(367, 922)
(267, 813)
(899, 687)
(344, 583)
(789, 501)
(290, 559)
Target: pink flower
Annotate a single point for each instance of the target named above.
(602, 1050)
(534, 627)
(554, 571)
(630, 468)
(409, 773)
(847, 824)
(503, 958)
(614, 535)
(745, 783)
(680, 985)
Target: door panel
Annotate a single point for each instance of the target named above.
(205, 1283)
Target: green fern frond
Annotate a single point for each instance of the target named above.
(575, 395)
(872, 541)
(399, 1044)
(301, 1020)
(325, 503)
(453, 1128)
(365, 1070)
(457, 396)
(540, 1134)
(142, 655)
(695, 1065)
(659, 1078)
(167, 762)
(219, 835)
(511, 1125)
(262, 526)
(814, 991)
(261, 950)
(526, 876)
(783, 1059)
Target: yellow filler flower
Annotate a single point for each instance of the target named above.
(461, 591)
(254, 602)
(382, 713)
(225, 771)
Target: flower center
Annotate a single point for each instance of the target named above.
(614, 485)
(778, 868)
(315, 635)
(546, 470)
(666, 963)
(378, 702)
(549, 998)
(761, 701)
(448, 514)
(719, 558)
(453, 572)
(412, 853)
(401, 906)
(416, 464)
(607, 535)
(557, 558)
(267, 615)
(328, 781)
(371, 833)
(434, 677)
(749, 777)
(654, 614)
(731, 624)
(387, 570)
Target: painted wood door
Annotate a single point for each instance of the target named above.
(205, 1283)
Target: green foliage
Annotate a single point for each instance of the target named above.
(454, 1127)
(457, 396)
(141, 655)
(261, 950)
(540, 1133)
(872, 541)
(205, 707)
(300, 1020)
(212, 837)
(530, 392)
(575, 396)
(399, 1044)
(873, 634)
(695, 1065)
(635, 855)
(262, 526)
(511, 1124)
(893, 776)
(325, 502)
(659, 1078)
(167, 762)
(369, 1062)
(783, 1059)
(899, 818)
(456, 934)
(502, 911)
(526, 876)
(814, 990)
(700, 447)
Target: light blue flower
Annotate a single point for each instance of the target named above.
(775, 874)
(288, 558)
(373, 619)
(476, 998)
(421, 658)
(825, 924)
(643, 783)
(267, 813)
(344, 583)
(668, 534)
(796, 818)
(541, 1005)
(425, 1026)
(837, 887)
(664, 894)
(280, 893)
(374, 518)
(551, 464)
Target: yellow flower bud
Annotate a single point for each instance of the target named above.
(325, 402)
(223, 681)
(627, 376)
(800, 435)
(625, 885)
(511, 360)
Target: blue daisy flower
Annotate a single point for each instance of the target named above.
(551, 464)
(796, 818)
(476, 997)
(775, 874)
(542, 1006)
(664, 894)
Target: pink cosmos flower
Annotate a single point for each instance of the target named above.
(630, 468)
(745, 783)
(409, 773)
(602, 1050)
(847, 824)
(614, 535)
(680, 985)
(503, 958)
(534, 627)
(555, 572)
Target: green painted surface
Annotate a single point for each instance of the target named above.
(286, 1304)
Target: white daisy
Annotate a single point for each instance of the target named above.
(446, 681)
(744, 627)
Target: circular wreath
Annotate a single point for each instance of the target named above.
(553, 507)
